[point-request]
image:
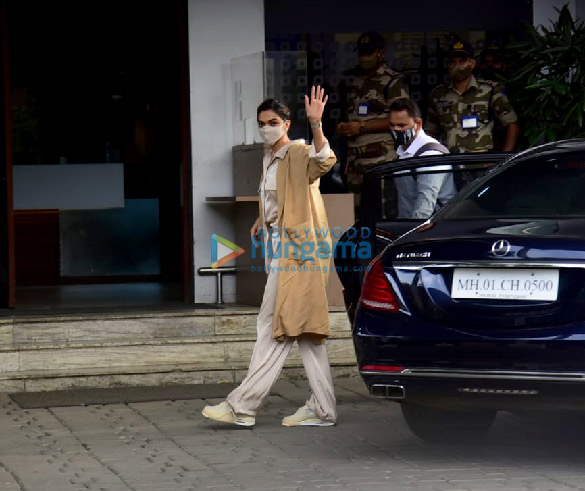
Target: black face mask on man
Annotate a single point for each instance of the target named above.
(403, 137)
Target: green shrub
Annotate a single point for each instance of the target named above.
(547, 81)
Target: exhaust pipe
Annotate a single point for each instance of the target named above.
(388, 391)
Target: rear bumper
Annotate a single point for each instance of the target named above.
(432, 353)
(485, 389)
(457, 365)
(454, 373)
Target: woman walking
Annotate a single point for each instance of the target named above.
(294, 306)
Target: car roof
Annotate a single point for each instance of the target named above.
(562, 146)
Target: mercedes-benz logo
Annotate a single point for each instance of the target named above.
(500, 248)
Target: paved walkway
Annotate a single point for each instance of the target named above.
(168, 446)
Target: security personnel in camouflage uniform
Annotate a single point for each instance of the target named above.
(367, 126)
(462, 113)
(492, 66)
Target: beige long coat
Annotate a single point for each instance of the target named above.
(301, 302)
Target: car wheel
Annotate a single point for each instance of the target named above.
(442, 425)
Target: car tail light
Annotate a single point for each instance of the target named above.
(377, 293)
(381, 368)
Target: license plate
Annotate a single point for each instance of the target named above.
(505, 284)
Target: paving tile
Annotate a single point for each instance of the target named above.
(168, 446)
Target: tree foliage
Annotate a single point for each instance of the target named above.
(547, 81)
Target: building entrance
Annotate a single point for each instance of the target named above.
(98, 150)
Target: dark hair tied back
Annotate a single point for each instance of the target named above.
(275, 105)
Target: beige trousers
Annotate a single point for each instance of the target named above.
(268, 359)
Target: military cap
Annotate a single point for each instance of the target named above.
(492, 49)
(370, 41)
(460, 48)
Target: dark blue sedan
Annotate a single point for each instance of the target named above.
(481, 307)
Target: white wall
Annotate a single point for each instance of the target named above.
(580, 10)
(544, 10)
(218, 31)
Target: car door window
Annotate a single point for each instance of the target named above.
(415, 194)
(379, 210)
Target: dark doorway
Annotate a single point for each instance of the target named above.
(6, 224)
(99, 85)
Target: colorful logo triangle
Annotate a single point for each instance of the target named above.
(218, 256)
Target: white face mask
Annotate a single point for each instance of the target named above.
(271, 134)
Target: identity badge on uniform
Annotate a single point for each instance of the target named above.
(363, 109)
(470, 122)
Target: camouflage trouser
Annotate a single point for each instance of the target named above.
(360, 158)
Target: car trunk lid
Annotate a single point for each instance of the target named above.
(496, 273)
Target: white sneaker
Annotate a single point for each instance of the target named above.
(224, 413)
(306, 416)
